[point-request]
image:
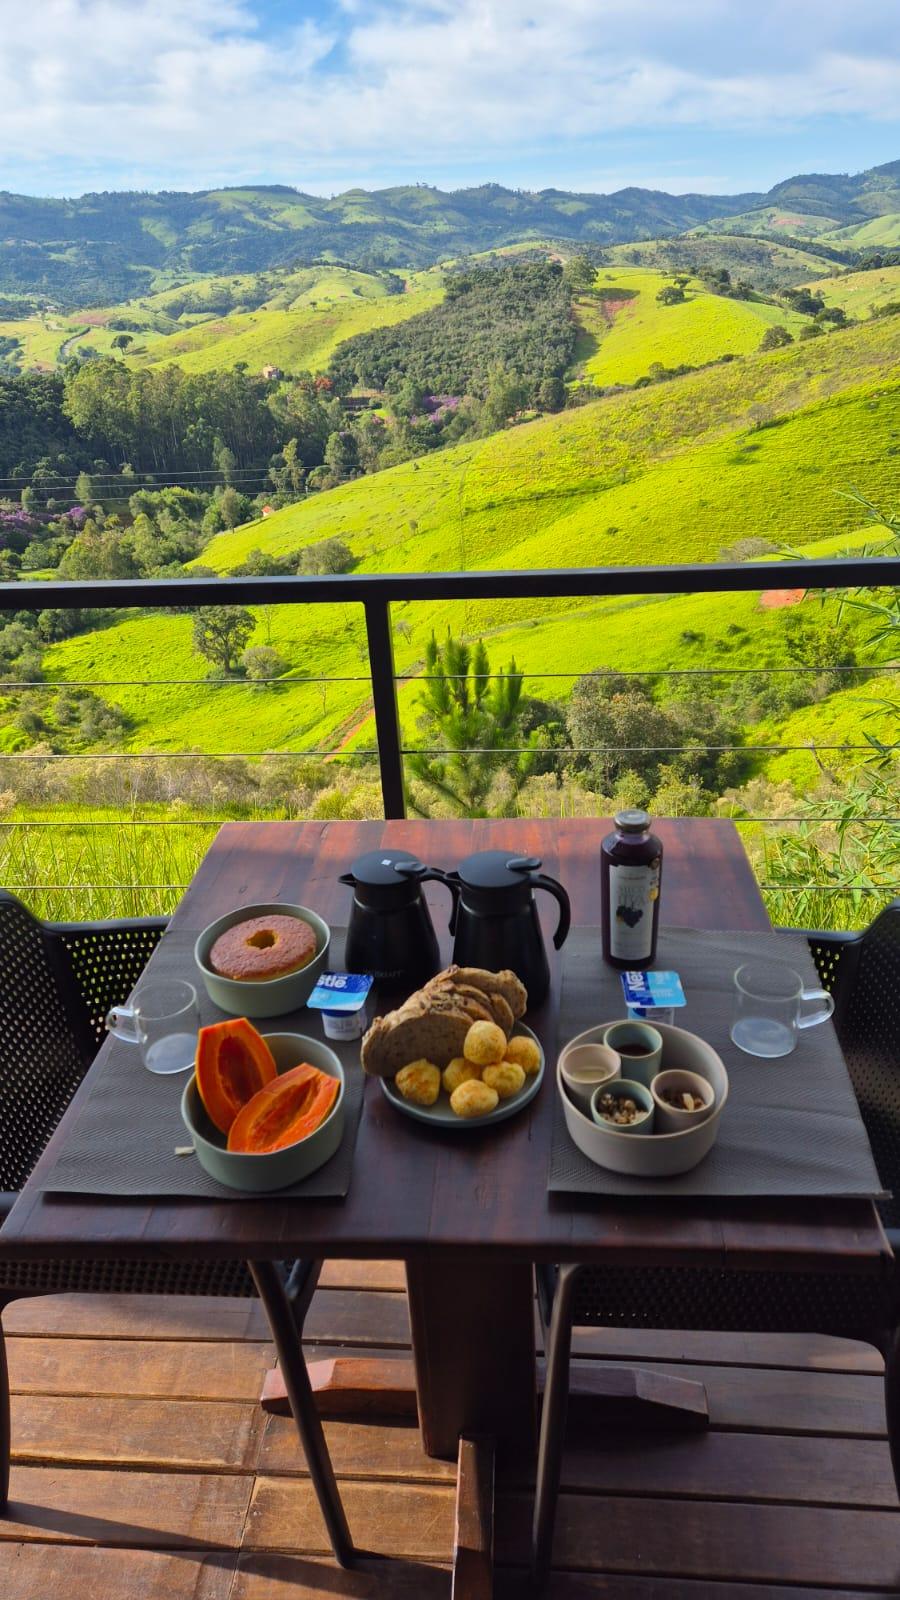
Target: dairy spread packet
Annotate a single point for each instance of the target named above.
(652, 996)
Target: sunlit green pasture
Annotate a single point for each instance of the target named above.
(631, 335)
(860, 293)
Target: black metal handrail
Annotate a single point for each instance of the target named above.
(376, 592)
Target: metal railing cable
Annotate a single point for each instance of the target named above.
(376, 592)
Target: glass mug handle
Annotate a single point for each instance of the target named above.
(124, 1022)
(821, 1015)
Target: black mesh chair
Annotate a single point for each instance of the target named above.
(862, 971)
(59, 982)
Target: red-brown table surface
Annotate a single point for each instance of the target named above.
(469, 1213)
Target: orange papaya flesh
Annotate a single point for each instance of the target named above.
(233, 1063)
(284, 1111)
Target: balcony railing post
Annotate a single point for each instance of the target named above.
(380, 639)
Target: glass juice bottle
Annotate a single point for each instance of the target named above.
(630, 872)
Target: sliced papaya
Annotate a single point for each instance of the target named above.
(233, 1063)
(284, 1111)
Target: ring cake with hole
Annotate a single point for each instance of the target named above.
(263, 948)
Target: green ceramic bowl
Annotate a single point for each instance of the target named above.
(274, 1169)
(274, 996)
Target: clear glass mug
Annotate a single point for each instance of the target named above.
(768, 1009)
(163, 1021)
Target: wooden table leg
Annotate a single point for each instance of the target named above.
(473, 1347)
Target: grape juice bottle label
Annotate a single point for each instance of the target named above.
(633, 892)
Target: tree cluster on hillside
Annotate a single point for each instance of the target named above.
(516, 318)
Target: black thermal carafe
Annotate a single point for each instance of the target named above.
(495, 920)
(390, 933)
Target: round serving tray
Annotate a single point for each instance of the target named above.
(440, 1115)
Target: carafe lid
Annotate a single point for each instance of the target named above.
(386, 877)
(632, 821)
(498, 870)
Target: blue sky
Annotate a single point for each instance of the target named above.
(715, 95)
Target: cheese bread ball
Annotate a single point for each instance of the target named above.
(525, 1053)
(459, 1071)
(474, 1099)
(507, 1078)
(419, 1082)
(485, 1044)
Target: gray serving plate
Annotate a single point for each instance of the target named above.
(440, 1115)
(273, 997)
(274, 1169)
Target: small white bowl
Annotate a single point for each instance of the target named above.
(257, 1172)
(272, 997)
(584, 1067)
(653, 1155)
(674, 1119)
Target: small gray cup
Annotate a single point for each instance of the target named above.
(640, 1047)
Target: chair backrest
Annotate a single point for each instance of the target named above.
(45, 1048)
(868, 1024)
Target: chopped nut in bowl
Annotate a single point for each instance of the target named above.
(623, 1107)
(682, 1100)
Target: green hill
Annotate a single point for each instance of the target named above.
(764, 262)
(102, 248)
(671, 473)
(630, 331)
(860, 293)
(293, 320)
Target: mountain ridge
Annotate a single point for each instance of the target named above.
(112, 245)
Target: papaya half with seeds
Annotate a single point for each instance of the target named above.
(233, 1063)
(284, 1111)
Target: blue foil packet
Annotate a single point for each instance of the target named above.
(652, 996)
(340, 991)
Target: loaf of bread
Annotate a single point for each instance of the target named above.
(433, 1023)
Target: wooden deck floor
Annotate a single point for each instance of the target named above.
(146, 1471)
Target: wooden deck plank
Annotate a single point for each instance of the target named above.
(358, 1450)
(389, 1275)
(771, 1400)
(168, 1370)
(414, 1521)
(762, 1544)
(788, 1496)
(337, 1313)
(137, 1316)
(734, 1466)
(510, 1585)
(49, 1572)
(261, 1576)
(150, 1510)
(209, 1436)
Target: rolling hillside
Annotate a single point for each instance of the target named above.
(294, 320)
(860, 293)
(630, 334)
(764, 262)
(110, 247)
(671, 473)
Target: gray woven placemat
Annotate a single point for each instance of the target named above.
(124, 1140)
(791, 1126)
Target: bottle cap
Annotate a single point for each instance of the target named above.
(632, 821)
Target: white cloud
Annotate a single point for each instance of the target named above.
(198, 90)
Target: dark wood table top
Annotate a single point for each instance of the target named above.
(413, 1191)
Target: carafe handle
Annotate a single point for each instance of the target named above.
(541, 881)
(446, 878)
(452, 881)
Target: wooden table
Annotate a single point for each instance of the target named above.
(469, 1216)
